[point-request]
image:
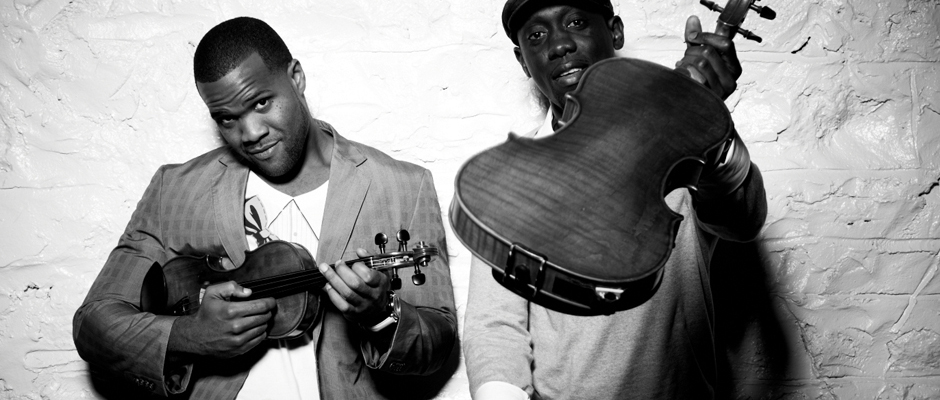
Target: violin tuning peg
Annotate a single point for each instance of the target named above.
(418, 277)
(381, 240)
(749, 35)
(767, 13)
(396, 280)
(764, 11)
(403, 238)
(711, 5)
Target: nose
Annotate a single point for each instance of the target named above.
(253, 128)
(561, 45)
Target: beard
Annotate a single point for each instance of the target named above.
(289, 163)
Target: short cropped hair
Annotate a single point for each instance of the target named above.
(227, 44)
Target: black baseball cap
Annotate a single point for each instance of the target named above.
(515, 12)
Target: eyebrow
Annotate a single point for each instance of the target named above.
(252, 98)
(217, 115)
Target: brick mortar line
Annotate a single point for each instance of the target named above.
(912, 302)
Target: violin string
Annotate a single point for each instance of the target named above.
(276, 278)
(279, 279)
(370, 262)
(291, 286)
(273, 287)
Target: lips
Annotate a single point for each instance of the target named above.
(262, 151)
(569, 74)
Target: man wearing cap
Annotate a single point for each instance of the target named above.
(663, 348)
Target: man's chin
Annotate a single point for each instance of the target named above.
(270, 172)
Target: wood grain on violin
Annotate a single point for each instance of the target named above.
(278, 269)
(577, 221)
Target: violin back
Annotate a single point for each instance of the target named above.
(585, 208)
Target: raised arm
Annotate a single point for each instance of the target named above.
(731, 202)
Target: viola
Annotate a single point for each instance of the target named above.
(283, 270)
(577, 222)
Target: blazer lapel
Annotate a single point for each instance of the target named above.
(229, 197)
(347, 192)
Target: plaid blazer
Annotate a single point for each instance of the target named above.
(197, 208)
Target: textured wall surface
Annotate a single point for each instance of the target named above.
(838, 299)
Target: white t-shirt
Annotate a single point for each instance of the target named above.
(288, 370)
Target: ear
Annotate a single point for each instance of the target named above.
(615, 25)
(521, 61)
(296, 74)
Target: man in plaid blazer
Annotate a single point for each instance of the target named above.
(367, 341)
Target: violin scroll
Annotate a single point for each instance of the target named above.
(419, 257)
(732, 15)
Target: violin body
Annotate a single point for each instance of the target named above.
(283, 270)
(177, 287)
(577, 221)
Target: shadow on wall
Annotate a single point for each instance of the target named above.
(753, 353)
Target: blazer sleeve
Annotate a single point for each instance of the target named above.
(426, 332)
(109, 330)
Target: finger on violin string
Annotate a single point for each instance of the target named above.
(361, 279)
(334, 284)
(357, 278)
(335, 297)
(227, 291)
(368, 275)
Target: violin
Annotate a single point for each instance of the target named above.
(577, 222)
(283, 270)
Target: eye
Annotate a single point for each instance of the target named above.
(262, 104)
(577, 23)
(536, 35)
(226, 121)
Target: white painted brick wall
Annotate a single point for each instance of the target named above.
(840, 107)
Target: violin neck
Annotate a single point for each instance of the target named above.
(300, 281)
(285, 284)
